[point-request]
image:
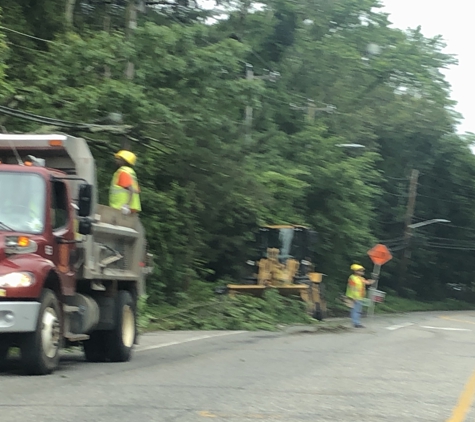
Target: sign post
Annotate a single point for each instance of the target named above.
(379, 255)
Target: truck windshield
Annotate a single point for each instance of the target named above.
(22, 202)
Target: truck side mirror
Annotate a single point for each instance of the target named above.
(85, 200)
(85, 227)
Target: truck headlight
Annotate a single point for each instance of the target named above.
(20, 279)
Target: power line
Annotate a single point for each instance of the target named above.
(447, 200)
(26, 48)
(25, 35)
(35, 117)
(405, 179)
(62, 123)
(449, 224)
(461, 227)
(448, 239)
(202, 38)
(397, 248)
(454, 248)
(455, 184)
(399, 195)
(261, 59)
(180, 23)
(394, 238)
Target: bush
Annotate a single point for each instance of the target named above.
(240, 312)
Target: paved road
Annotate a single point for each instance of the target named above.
(415, 367)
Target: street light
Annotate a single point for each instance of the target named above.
(427, 222)
(407, 239)
(350, 146)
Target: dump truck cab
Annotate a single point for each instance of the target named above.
(71, 270)
(36, 233)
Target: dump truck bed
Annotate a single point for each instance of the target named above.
(117, 247)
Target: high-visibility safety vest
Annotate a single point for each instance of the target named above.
(118, 196)
(356, 288)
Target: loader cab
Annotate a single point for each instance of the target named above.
(293, 242)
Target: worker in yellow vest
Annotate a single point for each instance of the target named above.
(356, 291)
(124, 192)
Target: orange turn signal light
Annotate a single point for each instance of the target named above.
(55, 143)
(23, 241)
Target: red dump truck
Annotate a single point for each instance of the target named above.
(71, 270)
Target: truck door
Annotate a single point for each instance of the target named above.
(63, 233)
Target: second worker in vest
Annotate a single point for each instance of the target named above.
(356, 291)
(124, 190)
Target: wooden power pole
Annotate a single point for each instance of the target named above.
(311, 110)
(249, 77)
(411, 204)
(69, 13)
(130, 26)
(269, 76)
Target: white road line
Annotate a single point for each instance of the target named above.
(174, 343)
(397, 327)
(445, 328)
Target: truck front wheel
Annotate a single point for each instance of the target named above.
(40, 349)
(4, 348)
(121, 339)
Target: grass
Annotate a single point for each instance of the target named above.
(241, 312)
(202, 309)
(395, 304)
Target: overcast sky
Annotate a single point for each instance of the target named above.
(454, 21)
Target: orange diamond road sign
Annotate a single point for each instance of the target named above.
(380, 254)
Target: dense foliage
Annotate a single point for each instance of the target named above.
(174, 90)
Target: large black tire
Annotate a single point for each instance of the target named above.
(95, 348)
(320, 309)
(121, 338)
(5, 344)
(40, 349)
(317, 312)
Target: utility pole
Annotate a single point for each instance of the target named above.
(107, 16)
(130, 26)
(249, 77)
(411, 204)
(270, 76)
(311, 111)
(107, 28)
(69, 13)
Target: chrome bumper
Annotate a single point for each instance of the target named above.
(18, 317)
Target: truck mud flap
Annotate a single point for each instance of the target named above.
(107, 312)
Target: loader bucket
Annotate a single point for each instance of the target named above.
(255, 290)
(292, 290)
(258, 290)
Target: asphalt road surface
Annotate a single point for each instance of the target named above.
(413, 367)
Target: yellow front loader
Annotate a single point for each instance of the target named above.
(284, 263)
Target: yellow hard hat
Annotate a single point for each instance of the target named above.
(127, 156)
(357, 267)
